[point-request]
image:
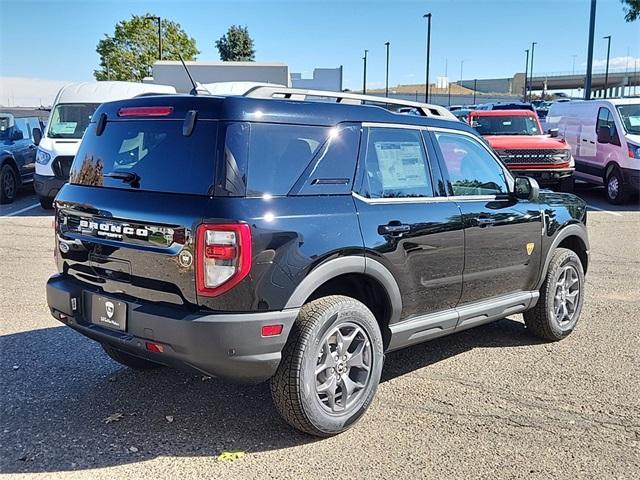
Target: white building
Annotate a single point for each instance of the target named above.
(322, 79)
(167, 72)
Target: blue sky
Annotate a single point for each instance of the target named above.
(55, 40)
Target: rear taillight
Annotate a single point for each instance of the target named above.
(223, 257)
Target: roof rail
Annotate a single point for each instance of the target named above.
(273, 91)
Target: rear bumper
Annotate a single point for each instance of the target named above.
(222, 345)
(47, 186)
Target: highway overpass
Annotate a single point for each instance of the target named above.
(560, 81)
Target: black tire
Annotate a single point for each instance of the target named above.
(294, 387)
(566, 185)
(8, 184)
(46, 203)
(541, 320)
(129, 360)
(617, 191)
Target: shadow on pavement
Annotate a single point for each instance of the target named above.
(596, 197)
(58, 389)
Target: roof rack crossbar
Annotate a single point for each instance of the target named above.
(424, 109)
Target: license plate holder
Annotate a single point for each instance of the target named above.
(108, 313)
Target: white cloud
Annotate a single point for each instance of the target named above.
(28, 92)
(616, 62)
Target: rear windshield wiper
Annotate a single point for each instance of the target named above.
(131, 178)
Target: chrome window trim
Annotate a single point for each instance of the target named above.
(459, 198)
(393, 125)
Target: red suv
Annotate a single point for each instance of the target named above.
(518, 138)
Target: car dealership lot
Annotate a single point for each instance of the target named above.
(488, 402)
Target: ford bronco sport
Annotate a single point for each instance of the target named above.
(518, 139)
(273, 237)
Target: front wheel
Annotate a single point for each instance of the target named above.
(46, 203)
(566, 185)
(330, 368)
(8, 184)
(617, 192)
(561, 296)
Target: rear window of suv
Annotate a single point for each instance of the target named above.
(151, 155)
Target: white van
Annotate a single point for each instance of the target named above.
(604, 136)
(72, 110)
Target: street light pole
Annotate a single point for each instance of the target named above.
(533, 47)
(364, 78)
(573, 69)
(426, 80)
(592, 28)
(159, 20)
(526, 77)
(386, 83)
(475, 84)
(606, 72)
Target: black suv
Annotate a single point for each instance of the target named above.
(297, 241)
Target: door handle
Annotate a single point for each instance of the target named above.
(394, 228)
(484, 222)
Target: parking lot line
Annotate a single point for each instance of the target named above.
(22, 210)
(605, 211)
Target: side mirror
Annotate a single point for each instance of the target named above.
(604, 134)
(553, 132)
(526, 188)
(37, 135)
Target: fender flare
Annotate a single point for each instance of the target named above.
(344, 265)
(573, 230)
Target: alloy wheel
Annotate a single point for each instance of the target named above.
(613, 186)
(567, 296)
(8, 184)
(343, 367)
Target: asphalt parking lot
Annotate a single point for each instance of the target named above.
(491, 402)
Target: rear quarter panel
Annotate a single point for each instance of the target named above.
(287, 244)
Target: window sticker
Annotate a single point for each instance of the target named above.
(634, 121)
(401, 165)
(65, 127)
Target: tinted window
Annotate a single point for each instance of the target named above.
(155, 151)
(331, 170)
(26, 126)
(396, 164)
(472, 169)
(506, 125)
(606, 119)
(70, 120)
(278, 154)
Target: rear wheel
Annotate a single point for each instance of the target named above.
(617, 193)
(558, 309)
(129, 360)
(8, 184)
(330, 367)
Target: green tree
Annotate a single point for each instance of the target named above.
(236, 45)
(130, 52)
(631, 10)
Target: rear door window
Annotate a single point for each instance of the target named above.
(150, 155)
(278, 154)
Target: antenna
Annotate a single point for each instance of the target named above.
(194, 91)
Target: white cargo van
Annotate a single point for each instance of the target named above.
(604, 136)
(72, 109)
